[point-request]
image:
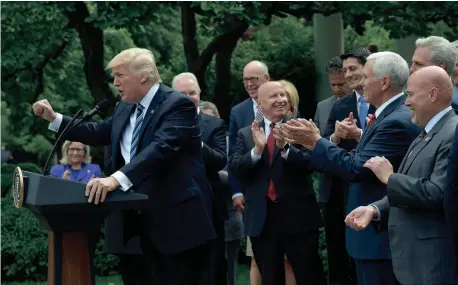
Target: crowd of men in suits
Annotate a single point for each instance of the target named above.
(385, 145)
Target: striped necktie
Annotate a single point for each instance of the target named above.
(136, 132)
(259, 117)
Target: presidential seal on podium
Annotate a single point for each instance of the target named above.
(18, 187)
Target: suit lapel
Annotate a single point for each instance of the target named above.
(354, 108)
(83, 172)
(153, 106)
(388, 110)
(416, 147)
(203, 125)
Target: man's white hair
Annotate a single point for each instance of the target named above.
(184, 75)
(141, 61)
(442, 51)
(392, 65)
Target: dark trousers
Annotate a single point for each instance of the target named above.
(135, 269)
(301, 250)
(375, 272)
(341, 267)
(232, 253)
(217, 264)
(190, 267)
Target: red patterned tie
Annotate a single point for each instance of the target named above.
(270, 150)
(371, 119)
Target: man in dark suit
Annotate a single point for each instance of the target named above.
(420, 241)
(451, 192)
(213, 135)
(389, 134)
(282, 215)
(333, 190)
(156, 147)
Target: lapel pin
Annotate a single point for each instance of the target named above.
(88, 171)
(427, 139)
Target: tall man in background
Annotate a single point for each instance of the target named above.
(156, 148)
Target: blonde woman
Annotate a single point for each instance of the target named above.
(293, 97)
(75, 163)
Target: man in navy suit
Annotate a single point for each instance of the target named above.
(213, 135)
(451, 192)
(156, 149)
(389, 133)
(282, 215)
(333, 189)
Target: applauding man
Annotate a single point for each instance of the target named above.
(281, 213)
(388, 134)
(419, 239)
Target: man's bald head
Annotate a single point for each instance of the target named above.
(429, 92)
(255, 74)
(273, 101)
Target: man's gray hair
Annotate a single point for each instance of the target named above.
(392, 65)
(184, 75)
(442, 51)
(209, 105)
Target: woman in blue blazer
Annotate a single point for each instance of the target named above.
(75, 163)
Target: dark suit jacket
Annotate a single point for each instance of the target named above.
(242, 115)
(168, 168)
(389, 136)
(293, 183)
(213, 135)
(86, 172)
(330, 183)
(451, 193)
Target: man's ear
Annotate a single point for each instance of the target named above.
(143, 79)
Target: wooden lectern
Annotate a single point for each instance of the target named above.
(73, 224)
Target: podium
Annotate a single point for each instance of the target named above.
(62, 208)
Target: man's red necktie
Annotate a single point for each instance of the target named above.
(270, 150)
(371, 119)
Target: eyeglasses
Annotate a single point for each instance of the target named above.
(253, 80)
(77, 150)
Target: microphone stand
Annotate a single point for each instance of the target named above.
(48, 160)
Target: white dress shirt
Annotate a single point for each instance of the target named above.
(126, 139)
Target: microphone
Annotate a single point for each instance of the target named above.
(102, 106)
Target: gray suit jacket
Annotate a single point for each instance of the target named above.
(321, 119)
(322, 113)
(421, 245)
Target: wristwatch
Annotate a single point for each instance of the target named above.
(285, 148)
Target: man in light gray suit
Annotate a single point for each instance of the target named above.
(339, 88)
(421, 244)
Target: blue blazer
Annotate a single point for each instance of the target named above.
(389, 136)
(87, 171)
(168, 167)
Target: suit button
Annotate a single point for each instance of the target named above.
(139, 212)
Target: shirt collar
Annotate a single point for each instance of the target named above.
(357, 95)
(267, 122)
(255, 104)
(149, 96)
(430, 125)
(384, 105)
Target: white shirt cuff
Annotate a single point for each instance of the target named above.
(237, 195)
(358, 139)
(330, 139)
(254, 157)
(284, 154)
(123, 180)
(202, 144)
(379, 214)
(55, 125)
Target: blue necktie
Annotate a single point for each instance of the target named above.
(363, 110)
(136, 132)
